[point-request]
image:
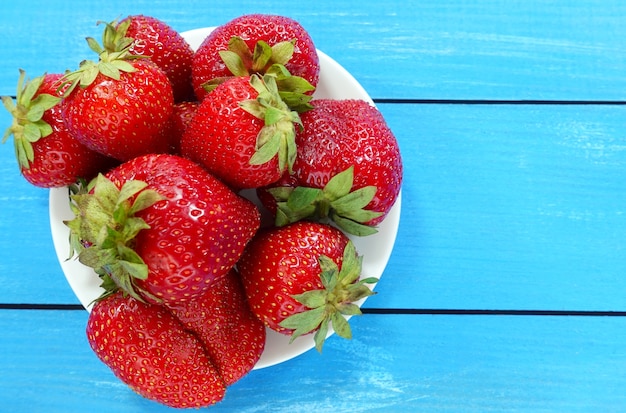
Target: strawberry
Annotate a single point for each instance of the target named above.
(348, 168)
(181, 117)
(183, 113)
(233, 336)
(244, 132)
(250, 44)
(165, 47)
(301, 277)
(48, 155)
(147, 348)
(161, 228)
(119, 105)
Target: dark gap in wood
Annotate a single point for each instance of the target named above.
(383, 311)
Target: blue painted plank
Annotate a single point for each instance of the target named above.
(453, 49)
(393, 364)
(509, 207)
(504, 207)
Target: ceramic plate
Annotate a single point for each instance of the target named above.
(335, 82)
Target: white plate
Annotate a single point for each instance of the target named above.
(335, 82)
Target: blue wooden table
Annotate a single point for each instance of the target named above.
(506, 290)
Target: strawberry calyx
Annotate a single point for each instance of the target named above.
(104, 228)
(335, 202)
(278, 135)
(114, 57)
(27, 112)
(241, 61)
(329, 306)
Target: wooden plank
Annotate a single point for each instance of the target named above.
(504, 207)
(449, 49)
(393, 364)
(509, 207)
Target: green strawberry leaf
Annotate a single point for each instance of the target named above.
(145, 199)
(353, 227)
(304, 322)
(234, 63)
(8, 103)
(31, 132)
(123, 65)
(104, 227)
(261, 57)
(281, 193)
(286, 215)
(358, 291)
(283, 51)
(351, 265)
(129, 190)
(25, 152)
(329, 272)
(273, 115)
(301, 197)
(295, 91)
(239, 47)
(27, 112)
(320, 335)
(312, 299)
(341, 326)
(336, 300)
(94, 45)
(357, 199)
(109, 70)
(30, 89)
(268, 148)
(340, 184)
(349, 309)
(336, 202)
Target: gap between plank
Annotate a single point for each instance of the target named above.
(445, 311)
(384, 311)
(412, 101)
(497, 102)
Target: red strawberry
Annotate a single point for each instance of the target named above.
(243, 46)
(243, 132)
(122, 102)
(165, 47)
(161, 228)
(301, 277)
(149, 350)
(233, 336)
(181, 117)
(183, 113)
(348, 167)
(48, 155)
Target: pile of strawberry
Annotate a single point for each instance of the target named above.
(157, 142)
